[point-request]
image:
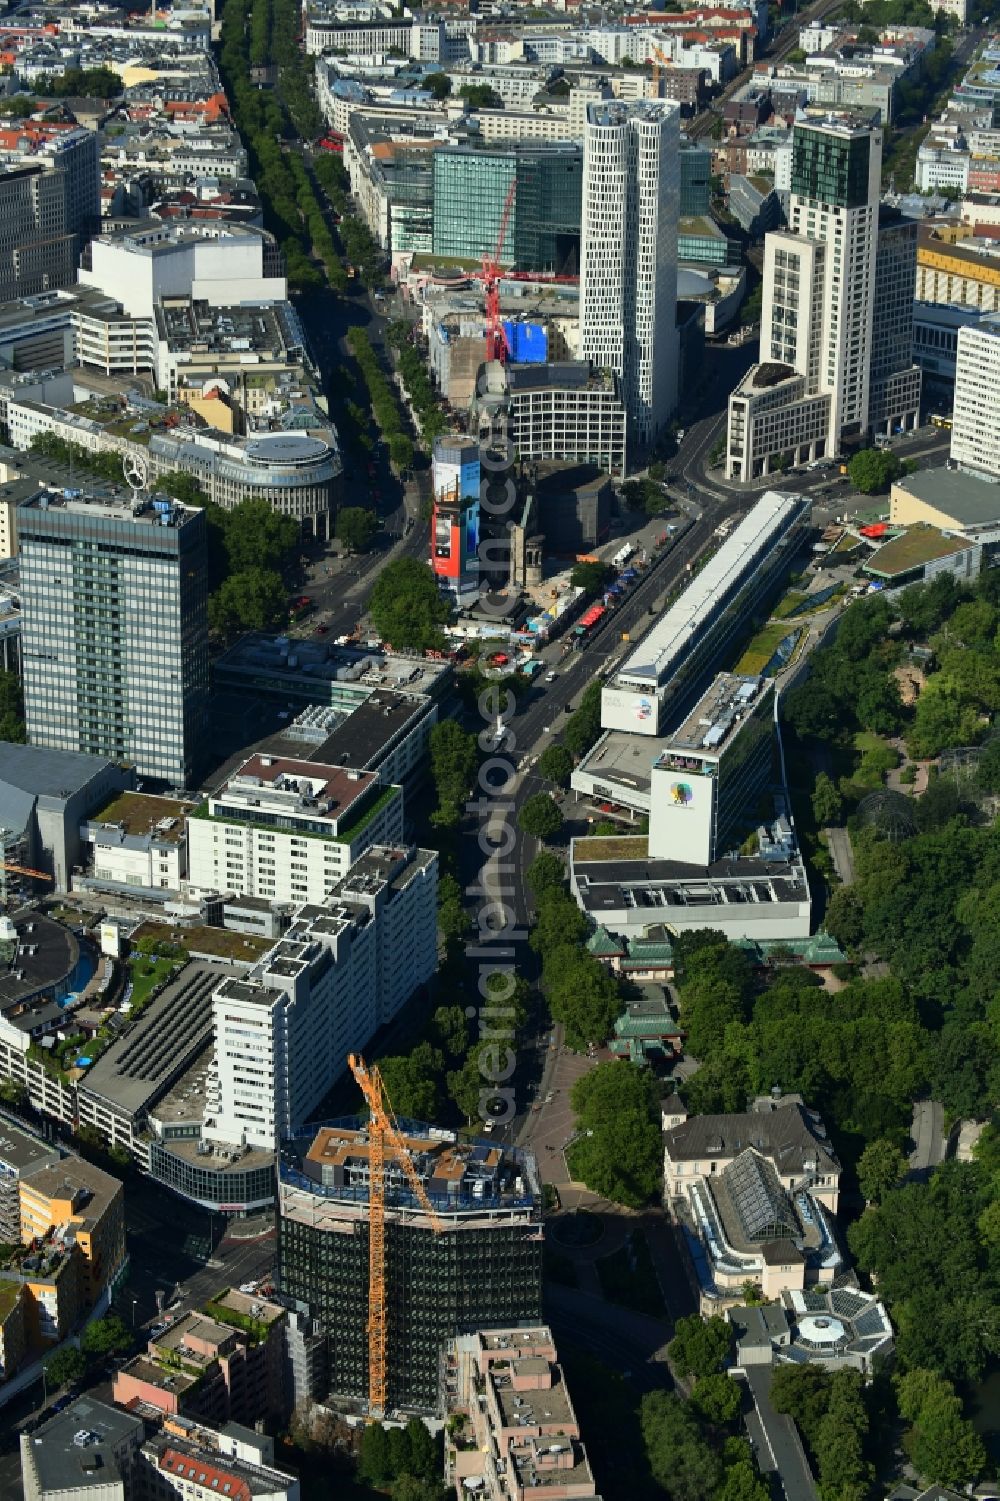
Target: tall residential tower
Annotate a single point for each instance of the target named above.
(628, 256)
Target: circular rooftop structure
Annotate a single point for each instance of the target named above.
(295, 449)
(817, 1330)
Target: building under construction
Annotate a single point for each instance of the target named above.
(473, 1262)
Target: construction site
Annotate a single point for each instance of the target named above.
(397, 1238)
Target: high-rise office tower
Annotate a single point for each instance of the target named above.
(975, 434)
(49, 203)
(478, 1267)
(821, 378)
(628, 256)
(114, 629)
(836, 176)
(894, 387)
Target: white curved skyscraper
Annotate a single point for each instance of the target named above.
(628, 256)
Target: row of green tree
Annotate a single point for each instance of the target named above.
(292, 210)
(384, 404)
(100, 1338)
(413, 373)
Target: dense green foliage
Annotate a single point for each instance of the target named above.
(407, 608)
(454, 759)
(540, 817)
(11, 708)
(581, 993)
(933, 1248)
(80, 83)
(873, 470)
(700, 1347)
(941, 1443)
(618, 1155)
(64, 1366)
(356, 527)
(591, 576)
(556, 764)
(584, 724)
(830, 1414)
(860, 1056)
(395, 1455)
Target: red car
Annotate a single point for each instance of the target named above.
(376, 495)
(321, 630)
(371, 471)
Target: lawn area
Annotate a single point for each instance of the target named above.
(219, 941)
(788, 604)
(867, 740)
(148, 972)
(762, 648)
(627, 1277)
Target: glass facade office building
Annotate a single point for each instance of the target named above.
(543, 230)
(115, 631)
(831, 168)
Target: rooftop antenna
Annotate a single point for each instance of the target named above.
(136, 472)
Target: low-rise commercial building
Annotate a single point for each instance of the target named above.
(510, 1387)
(964, 504)
(838, 1328)
(622, 886)
(186, 1458)
(565, 412)
(223, 1364)
(84, 1453)
(682, 645)
(920, 554)
(957, 267)
(45, 797)
(138, 845)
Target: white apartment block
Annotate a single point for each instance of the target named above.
(975, 433)
(289, 830)
(628, 256)
(343, 969)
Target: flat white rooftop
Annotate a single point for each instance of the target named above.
(659, 652)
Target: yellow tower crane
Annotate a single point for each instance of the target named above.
(384, 1134)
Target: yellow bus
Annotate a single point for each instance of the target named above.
(938, 421)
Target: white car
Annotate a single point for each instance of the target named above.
(550, 677)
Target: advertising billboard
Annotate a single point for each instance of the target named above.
(681, 816)
(630, 709)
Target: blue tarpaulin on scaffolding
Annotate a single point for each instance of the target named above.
(528, 343)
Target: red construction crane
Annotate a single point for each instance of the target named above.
(496, 343)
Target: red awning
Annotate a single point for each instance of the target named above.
(592, 616)
(877, 529)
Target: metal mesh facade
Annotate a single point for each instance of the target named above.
(437, 1286)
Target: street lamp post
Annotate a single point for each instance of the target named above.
(134, 1302)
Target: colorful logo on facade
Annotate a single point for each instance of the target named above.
(681, 794)
(644, 709)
